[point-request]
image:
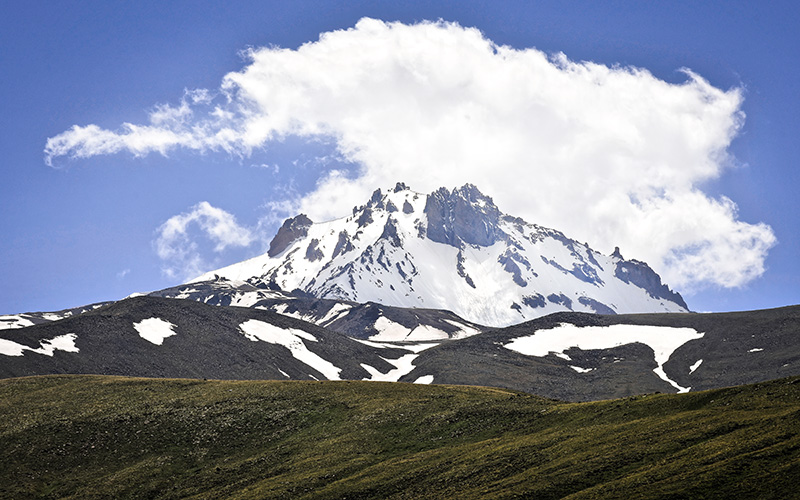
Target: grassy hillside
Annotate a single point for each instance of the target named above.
(111, 437)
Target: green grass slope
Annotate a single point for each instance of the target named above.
(111, 437)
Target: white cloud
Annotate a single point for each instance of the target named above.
(274, 167)
(179, 250)
(609, 155)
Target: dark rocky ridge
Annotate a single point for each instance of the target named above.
(463, 215)
(343, 245)
(640, 274)
(466, 215)
(292, 229)
(208, 344)
(357, 321)
(736, 348)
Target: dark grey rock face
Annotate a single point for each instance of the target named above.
(640, 274)
(462, 271)
(390, 232)
(465, 215)
(560, 299)
(598, 306)
(736, 348)
(313, 251)
(291, 230)
(511, 267)
(536, 300)
(344, 244)
(365, 218)
(376, 200)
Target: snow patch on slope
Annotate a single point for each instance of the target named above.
(284, 310)
(245, 299)
(155, 330)
(390, 331)
(465, 331)
(10, 321)
(335, 312)
(403, 366)
(413, 347)
(47, 347)
(292, 339)
(662, 339)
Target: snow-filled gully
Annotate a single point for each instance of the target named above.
(292, 339)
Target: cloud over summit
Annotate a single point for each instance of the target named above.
(610, 155)
(179, 250)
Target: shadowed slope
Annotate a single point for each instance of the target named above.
(735, 348)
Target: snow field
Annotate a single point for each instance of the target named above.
(403, 365)
(246, 299)
(662, 339)
(10, 321)
(336, 311)
(394, 332)
(466, 331)
(413, 347)
(284, 309)
(292, 339)
(155, 330)
(47, 347)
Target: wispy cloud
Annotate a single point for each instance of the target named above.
(180, 251)
(609, 155)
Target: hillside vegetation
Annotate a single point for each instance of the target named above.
(111, 437)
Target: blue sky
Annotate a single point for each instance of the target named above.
(88, 229)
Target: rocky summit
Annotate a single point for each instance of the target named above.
(451, 250)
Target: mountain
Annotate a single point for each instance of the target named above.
(412, 267)
(454, 251)
(568, 356)
(581, 357)
(156, 337)
(11, 321)
(82, 437)
(371, 320)
(348, 299)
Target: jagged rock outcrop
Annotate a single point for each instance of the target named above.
(292, 230)
(640, 274)
(463, 215)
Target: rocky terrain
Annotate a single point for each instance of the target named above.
(568, 356)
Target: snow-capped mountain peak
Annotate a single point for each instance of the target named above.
(452, 250)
